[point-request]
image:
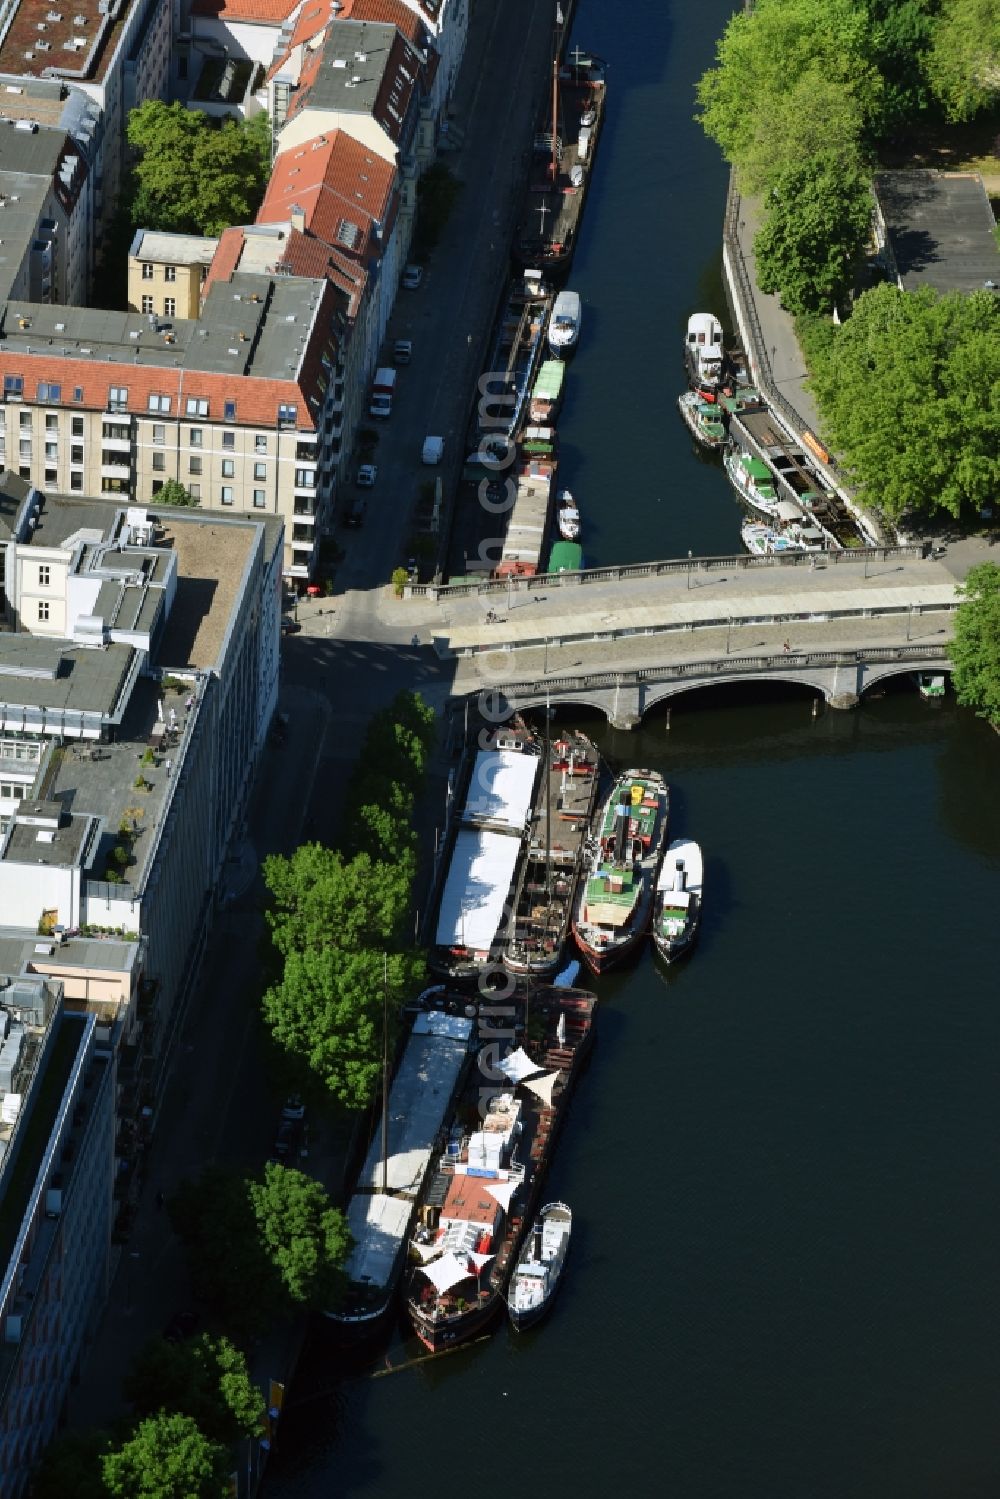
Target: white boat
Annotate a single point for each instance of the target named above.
(765, 541)
(677, 909)
(540, 1265)
(703, 351)
(931, 687)
(564, 324)
(752, 480)
(568, 516)
(704, 419)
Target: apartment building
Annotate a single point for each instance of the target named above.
(116, 53)
(167, 273)
(239, 406)
(57, 1168)
(46, 214)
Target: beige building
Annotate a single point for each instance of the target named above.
(166, 273)
(242, 406)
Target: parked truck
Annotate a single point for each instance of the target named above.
(383, 390)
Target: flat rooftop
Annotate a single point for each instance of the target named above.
(212, 556)
(940, 228)
(175, 249)
(39, 673)
(73, 40)
(250, 325)
(20, 954)
(62, 847)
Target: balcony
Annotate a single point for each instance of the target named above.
(116, 444)
(304, 536)
(305, 512)
(115, 465)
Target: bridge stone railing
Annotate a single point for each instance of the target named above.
(726, 666)
(540, 582)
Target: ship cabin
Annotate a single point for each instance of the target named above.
(703, 347)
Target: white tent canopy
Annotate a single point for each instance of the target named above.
(518, 1065)
(448, 1271)
(542, 1086)
(479, 877)
(479, 1260)
(502, 1191)
(500, 788)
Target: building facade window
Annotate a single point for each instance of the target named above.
(194, 490)
(51, 421)
(159, 463)
(260, 443)
(196, 406)
(76, 426)
(51, 476)
(159, 432)
(51, 450)
(25, 447)
(229, 440)
(226, 494)
(49, 392)
(229, 411)
(76, 481)
(147, 304)
(259, 499)
(195, 435)
(228, 468)
(147, 271)
(25, 421)
(76, 453)
(194, 465)
(118, 398)
(170, 273)
(159, 403)
(260, 470)
(169, 306)
(43, 609)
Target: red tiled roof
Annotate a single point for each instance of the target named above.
(257, 399)
(312, 18)
(335, 180)
(226, 257)
(310, 67)
(395, 13)
(312, 257)
(468, 1201)
(266, 12)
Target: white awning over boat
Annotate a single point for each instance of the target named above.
(501, 787)
(378, 1226)
(448, 1271)
(518, 1066)
(479, 878)
(418, 1101)
(502, 1192)
(684, 851)
(542, 1086)
(479, 1260)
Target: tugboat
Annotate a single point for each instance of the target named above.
(540, 1266)
(474, 1209)
(562, 156)
(615, 900)
(677, 909)
(753, 481)
(703, 419)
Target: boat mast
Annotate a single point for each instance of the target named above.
(555, 119)
(385, 1072)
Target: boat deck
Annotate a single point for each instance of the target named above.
(545, 896)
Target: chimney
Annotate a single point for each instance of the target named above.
(298, 218)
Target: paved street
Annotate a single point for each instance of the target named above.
(354, 653)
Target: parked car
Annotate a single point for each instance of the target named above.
(413, 275)
(294, 1109)
(367, 474)
(433, 450)
(285, 1141)
(356, 515)
(290, 627)
(402, 350)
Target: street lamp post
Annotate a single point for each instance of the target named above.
(729, 631)
(689, 567)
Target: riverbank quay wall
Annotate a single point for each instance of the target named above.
(742, 295)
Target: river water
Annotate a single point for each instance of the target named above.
(784, 1157)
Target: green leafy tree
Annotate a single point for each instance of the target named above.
(816, 219)
(901, 32)
(213, 1218)
(772, 63)
(304, 1236)
(963, 61)
(73, 1464)
(205, 1378)
(975, 649)
(909, 392)
(174, 493)
(167, 1458)
(193, 174)
(327, 1010)
(322, 900)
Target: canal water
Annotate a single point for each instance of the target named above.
(784, 1157)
